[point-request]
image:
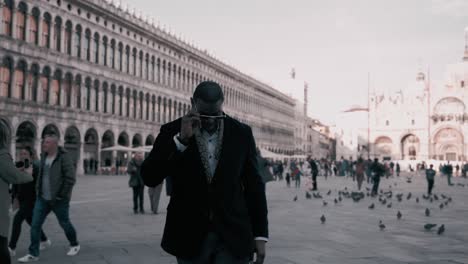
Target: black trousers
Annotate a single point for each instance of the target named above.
(430, 185)
(138, 193)
(25, 212)
(4, 253)
(375, 187)
(314, 181)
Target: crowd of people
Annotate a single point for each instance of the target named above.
(359, 170)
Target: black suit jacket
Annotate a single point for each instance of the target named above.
(235, 198)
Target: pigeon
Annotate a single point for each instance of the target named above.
(381, 225)
(417, 199)
(336, 201)
(441, 206)
(329, 192)
(443, 196)
(323, 219)
(441, 230)
(340, 199)
(427, 212)
(308, 196)
(295, 198)
(389, 205)
(368, 189)
(446, 203)
(409, 196)
(325, 203)
(450, 199)
(384, 201)
(429, 227)
(436, 197)
(371, 206)
(399, 215)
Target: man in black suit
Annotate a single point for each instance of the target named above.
(217, 211)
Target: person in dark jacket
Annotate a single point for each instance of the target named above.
(430, 175)
(54, 187)
(217, 212)
(377, 171)
(9, 174)
(25, 195)
(136, 182)
(314, 172)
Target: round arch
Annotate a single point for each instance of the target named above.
(108, 140)
(137, 140)
(72, 143)
(26, 135)
(91, 143)
(448, 144)
(410, 147)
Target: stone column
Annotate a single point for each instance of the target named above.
(79, 167)
(2, 4)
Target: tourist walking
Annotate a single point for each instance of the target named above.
(25, 195)
(430, 175)
(8, 175)
(377, 170)
(314, 172)
(360, 168)
(136, 182)
(54, 189)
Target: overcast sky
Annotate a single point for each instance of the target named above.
(332, 44)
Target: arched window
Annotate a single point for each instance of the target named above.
(33, 83)
(147, 67)
(140, 65)
(5, 77)
(118, 59)
(121, 96)
(133, 63)
(88, 94)
(96, 48)
(104, 51)
(7, 11)
(105, 96)
(168, 81)
(68, 37)
(46, 30)
(113, 97)
(34, 26)
(21, 17)
(77, 89)
(57, 33)
(19, 91)
(158, 64)
(67, 89)
(77, 41)
(127, 59)
(96, 98)
(56, 89)
(45, 84)
(152, 68)
(112, 54)
(88, 44)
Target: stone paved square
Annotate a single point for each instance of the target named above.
(110, 234)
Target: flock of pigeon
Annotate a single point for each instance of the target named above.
(386, 198)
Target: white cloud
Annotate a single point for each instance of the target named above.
(456, 8)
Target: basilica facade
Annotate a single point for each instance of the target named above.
(97, 76)
(426, 120)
